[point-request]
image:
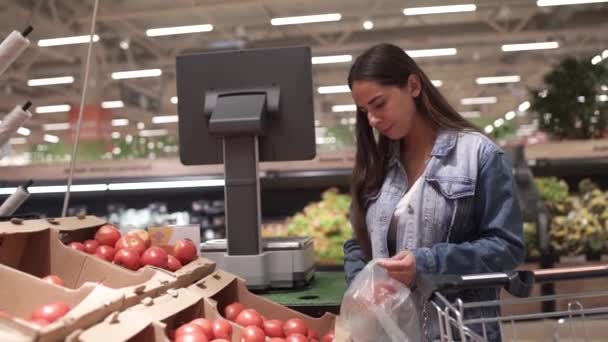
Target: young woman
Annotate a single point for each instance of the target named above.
(430, 193)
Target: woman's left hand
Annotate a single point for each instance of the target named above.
(401, 267)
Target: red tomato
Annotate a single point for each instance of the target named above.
(106, 253)
(329, 337)
(277, 339)
(40, 322)
(296, 338)
(189, 328)
(273, 328)
(220, 340)
(222, 329)
(90, 246)
(107, 235)
(249, 317)
(295, 326)
(77, 245)
(312, 334)
(173, 264)
(131, 241)
(193, 337)
(128, 258)
(142, 234)
(206, 325)
(50, 312)
(253, 334)
(154, 256)
(185, 251)
(313, 340)
(231, 311)
(53, 279)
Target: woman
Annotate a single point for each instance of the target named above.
(430, 194)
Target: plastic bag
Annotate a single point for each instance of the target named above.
(379, 308)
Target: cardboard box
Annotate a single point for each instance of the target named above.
(82, 228)
(21, 294)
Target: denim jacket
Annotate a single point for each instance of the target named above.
(469, 207)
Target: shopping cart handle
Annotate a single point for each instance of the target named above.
(517, 283)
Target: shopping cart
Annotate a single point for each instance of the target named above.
(577, 318)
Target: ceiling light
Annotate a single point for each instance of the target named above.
(51, 138)
(153, 133)
(17, 141)
(121, 75)
(167, 31)
(141, 125)
(470, 114)
(368, 25)
(306, 19)
(115, 135)
(499, 122)
(524, 106)
(439, 9)
(542, 3)
(431, 52)
(167, 185)
(489, 129)
(50, 81)
(510, 115)
(164, 119)
(67, 40)
(478, 100)
(112, 104)
(120, 122)
(23, 131)
(437, 83)
(334, 89)
(344, 108)
(498, 79)
(595, 60)
(53, 109)
(602, 98)
(174, 99)
(332, 59)
(530, 46)
(56, 126)
(63, 188)
(124, 44)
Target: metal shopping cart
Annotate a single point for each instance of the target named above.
(579, 317)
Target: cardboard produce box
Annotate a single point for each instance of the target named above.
(81, 228)
(21, 294)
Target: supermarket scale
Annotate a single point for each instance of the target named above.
(239, 108)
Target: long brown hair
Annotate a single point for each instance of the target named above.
(389, 65)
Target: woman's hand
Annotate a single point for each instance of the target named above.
(401, 267)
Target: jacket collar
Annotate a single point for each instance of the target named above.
(444, 143)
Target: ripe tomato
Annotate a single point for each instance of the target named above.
(188, 328)
(253, 334)
(185, 251)
(107, 235)
(53, 279)
(329, 337)
(231, 311)
(312, 335)
(142, 234)
(249, 317)
(50, 312)
(106, 253)
(273, 328)
(128, 258)
(90, 246)
(220, 340)
(222, 329)
(277, 339)
(295, 326)
(154, 256)
(77, 245)
(193, 337)
(206, 325)
(131, 241)
(173, 264)
(296, 338)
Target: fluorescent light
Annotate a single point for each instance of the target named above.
(437, 83)
(112, 104)
(50, 81)
(489, 129)
(23, 131)
(470, 114)
(478, 100)
(439, 9)
(602, 98)
(368, 25)
(306, 19)
(164, 119)
(498, 79)
(67, 40)
(595, 60)
(510, 115)
(605, 54)
(17, 141)
(120, 122)
(332, 59)
(64, 188)
(53, 109)
(53, 139)
(56, 126)
(344, 108)
(7, 191)
(499, 122)
(604, 87)
(334, 89)
(543, 3)
(153, 133)
(167, 31)
(167, 185)
(530, 46)
(174, 99)
(524, 106)
(121, 75)
(431, 52)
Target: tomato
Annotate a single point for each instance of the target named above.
(189, 328)
(173, 264)
(273, 328)
(295, 326)
(106, 253)
(231, 311)
(142, 234)
(107, 235)
(53, 279)
(277, 339)
(40, 322)
(312, 334)
(154, 256)
(131, 241)
(90, 246)
(206, 325)
(185, 251)
(50, 312)
(249, 317)
(329, 337)
(220, 340)
(222, 329)
(296, 338)
(193, 337)
(77, 245)
(313, 340)
(128, 258)
(253, 334)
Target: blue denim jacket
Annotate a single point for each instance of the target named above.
(470, 207)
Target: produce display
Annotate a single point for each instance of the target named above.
(45, 314)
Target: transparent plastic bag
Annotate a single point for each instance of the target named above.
(379, 308)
